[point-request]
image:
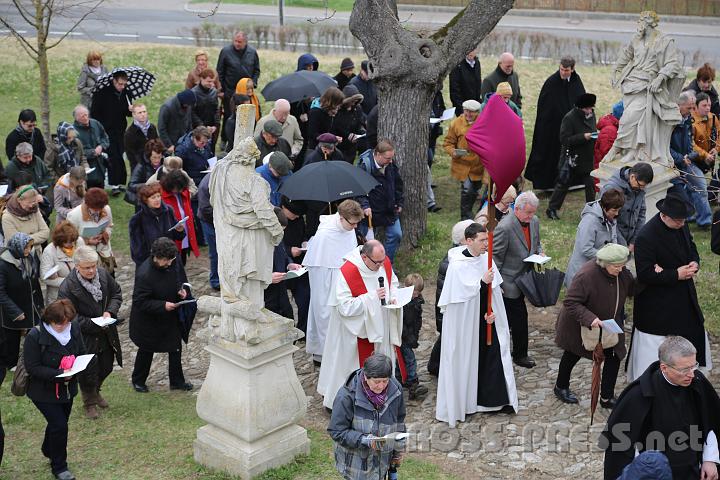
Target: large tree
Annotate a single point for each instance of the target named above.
(407, 67)
(39, 15)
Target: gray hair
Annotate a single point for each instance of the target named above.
(369, 247)
(525, 199)
(673, 348)
(23, 148)
(378, 365)
(85, 254)
(601, 263)
(78, 109)
(687, 96)
(78, 173)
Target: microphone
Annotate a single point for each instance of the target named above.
(381, 284)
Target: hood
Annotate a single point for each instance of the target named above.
(594, 209)
(63, 181)
(307, 59)
(608, 121)
(650, 465)
(352, 94)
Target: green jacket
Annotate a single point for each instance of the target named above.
(92, 136)
(41, 177)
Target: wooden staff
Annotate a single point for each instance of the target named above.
(490, 229)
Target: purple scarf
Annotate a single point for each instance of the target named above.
(377, 399)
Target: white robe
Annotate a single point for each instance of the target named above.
(323, 260)
(460, 348)
(353, 317)
(644, 351)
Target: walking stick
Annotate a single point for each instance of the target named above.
(490, 229)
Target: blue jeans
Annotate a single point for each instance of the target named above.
(209, 231)
(393, 235)
(696, 187)
(410, 364)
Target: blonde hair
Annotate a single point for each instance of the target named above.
(200, 53)
(93, 55)
(173, 163)
(350, 210)
(415, 280)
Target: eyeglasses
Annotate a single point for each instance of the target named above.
(352, 224)
(685, 371)
(375, 261)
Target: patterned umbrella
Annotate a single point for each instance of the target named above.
(140, 81)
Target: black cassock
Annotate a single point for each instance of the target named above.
(557, 98)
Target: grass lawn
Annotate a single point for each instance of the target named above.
(339, 5)
(150, 436)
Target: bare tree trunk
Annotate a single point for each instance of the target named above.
(42, 62)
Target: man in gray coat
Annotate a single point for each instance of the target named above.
(517, 237)
(632, 182)
(175, 118)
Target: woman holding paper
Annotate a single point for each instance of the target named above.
(175, 193)
(57, 258)
(97, 298)
(93, 219)
(50, 350)
(597, 293)
(22, 214)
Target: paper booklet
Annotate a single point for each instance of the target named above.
(103, 322)
(611, 326)
(295, 273)
(181, 222)
(89, 232)
(80, 364)
(402, 297)
(51, 272)
(183, 302)
(446, 115)
(393, 437)
(539, 259)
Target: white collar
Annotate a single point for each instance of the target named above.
(62, 337)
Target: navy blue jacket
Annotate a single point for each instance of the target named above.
(195, 159)
(681, 142)
(386, 197)
(147, 226)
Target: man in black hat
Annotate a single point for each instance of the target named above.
(347, 73)
(325, 150)
(271, 140)
(366, 87)
(667, 261)
(578, 132)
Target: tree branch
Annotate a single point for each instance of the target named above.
(24, 14)
(76, 24)
(27, 46)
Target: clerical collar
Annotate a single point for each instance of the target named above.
(666, 379)
(469, 254)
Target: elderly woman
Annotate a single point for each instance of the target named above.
(369, 404)
(597, 293)
(65, 152)
(59, 253)
(154, 220)
(154, 323)
(169, 164)
(90, 216)
(598, 227)
(201, 63)
(151, 161)
(175, 193)
(21, 300)
(321, 118)
(502, 208)
(22, 214)
(91, 70)
(96, 296)
(49, 351)
(69, 192)
(25, 161)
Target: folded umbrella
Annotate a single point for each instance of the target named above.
(140, 81)
(298, 86)
(542, 288)
(186, 316)
(328, 181)
(598, 357)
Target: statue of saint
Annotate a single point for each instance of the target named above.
(246, 226)
(650, 76)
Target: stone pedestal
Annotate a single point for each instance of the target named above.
(251, 397)
(653, 192)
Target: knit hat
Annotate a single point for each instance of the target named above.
(586, 100)
(618, 109)
(273, 127)
(327, 138)
(187, 97)
(458, 231)
(504, 88)
(346, 64)
(472, 105)
(613, 253)
(280, 163)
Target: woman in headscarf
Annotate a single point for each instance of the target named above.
(245, 86)
(22, 214)
(96, 296)
(21, 299)
(95, 212)
(59, 253)
(65, 152)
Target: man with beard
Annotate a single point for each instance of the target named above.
(557, 98)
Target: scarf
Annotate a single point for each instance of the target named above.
(92, 286)
(377, 399)
(66, 155)
(14, 253)
(143, 127)
(69, 252)
(14, 207)
(62, 337)
(241, 88)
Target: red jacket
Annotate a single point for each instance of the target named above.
(608, 128)
(171, 201)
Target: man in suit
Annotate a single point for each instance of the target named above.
(465, 81)
(517, 237)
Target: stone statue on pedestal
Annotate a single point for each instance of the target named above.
(650, 76)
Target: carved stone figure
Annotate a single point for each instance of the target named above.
(650, 76)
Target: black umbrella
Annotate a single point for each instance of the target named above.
(140, 81)
(541, 288)
(186, 316)
(298, 86)
(328, 181)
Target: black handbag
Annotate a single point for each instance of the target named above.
(566, 165)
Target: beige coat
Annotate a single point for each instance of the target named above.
(34, 225)
(51, 257)
(291, 131)
(76, 218)
(467, 166)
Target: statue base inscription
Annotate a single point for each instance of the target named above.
(251, 397)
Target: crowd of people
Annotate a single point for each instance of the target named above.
(58, 291)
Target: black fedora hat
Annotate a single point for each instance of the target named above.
(675, 206)
(586, 100)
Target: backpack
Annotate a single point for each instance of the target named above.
(21, 377)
